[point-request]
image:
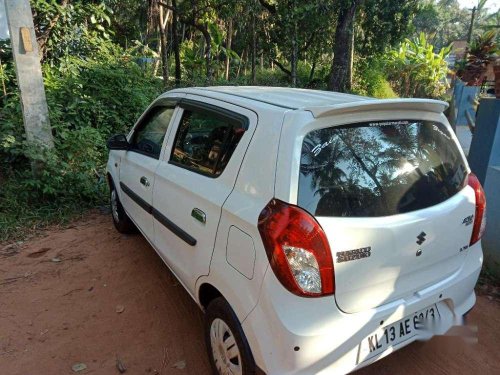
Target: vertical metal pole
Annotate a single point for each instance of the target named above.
(29, 73)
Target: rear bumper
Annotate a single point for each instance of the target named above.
(293, 335)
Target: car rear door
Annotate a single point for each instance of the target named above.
(392, 198)
(194, 178)
(138, 165)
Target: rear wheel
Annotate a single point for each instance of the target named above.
(120, 218)
(227, 346)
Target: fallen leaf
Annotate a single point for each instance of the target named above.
(120, 366)
(120, 309)
(181, 365)
(77, 367)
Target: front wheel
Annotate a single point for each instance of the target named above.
(227, 346)
(120, 218)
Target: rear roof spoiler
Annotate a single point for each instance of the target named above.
(428, 105)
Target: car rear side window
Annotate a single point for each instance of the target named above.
(378, 168)
(205, 141)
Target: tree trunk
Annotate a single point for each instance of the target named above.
(175, 42)
(243, 57)
(295, 52)
(163, 20)
(228, 45)
(208, 51)
(282, 68)
(44, 37)
(4, 89)
(311, 73)
(254, 48)
(339, 75)
(351, 60)
(156, 64)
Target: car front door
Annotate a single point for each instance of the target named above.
(195, 176)
(138, 166)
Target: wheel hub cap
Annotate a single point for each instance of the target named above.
(114, 206)
(225, 351)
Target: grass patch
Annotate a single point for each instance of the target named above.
(28, 221)
(24, 212)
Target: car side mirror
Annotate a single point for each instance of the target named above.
(117, 142)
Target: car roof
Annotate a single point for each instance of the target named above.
(285, 97)
(320, 103)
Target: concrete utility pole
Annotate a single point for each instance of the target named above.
(29, 73)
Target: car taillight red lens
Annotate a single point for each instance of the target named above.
(297, 249)
(480, 215)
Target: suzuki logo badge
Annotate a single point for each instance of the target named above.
(421, 238)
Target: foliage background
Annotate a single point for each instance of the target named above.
(102, 66)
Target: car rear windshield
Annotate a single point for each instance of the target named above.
(378, 168)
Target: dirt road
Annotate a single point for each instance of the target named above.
(88, 295)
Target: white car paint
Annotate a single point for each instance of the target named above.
(289, 334)
(133, 165)
(178, 191)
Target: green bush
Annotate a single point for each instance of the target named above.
(265, 77)
(94, 88)
(370, 79)
(88, 101)
(415, 70)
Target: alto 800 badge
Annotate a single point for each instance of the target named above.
(347, 256)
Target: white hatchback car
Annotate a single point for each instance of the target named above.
(318, 231)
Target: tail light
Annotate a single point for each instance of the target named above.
(297, 249)
(480, 215)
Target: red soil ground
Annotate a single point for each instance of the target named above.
(60, 293)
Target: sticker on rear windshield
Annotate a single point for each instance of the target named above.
(436, 129)
(347, 256)
(389, 123)
(318, 148)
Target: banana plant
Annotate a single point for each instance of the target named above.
(415, 69)
(218, 48)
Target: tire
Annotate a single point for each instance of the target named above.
(227, 345)
(122, 222)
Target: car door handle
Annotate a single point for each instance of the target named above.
(144, 181)
(199, 215)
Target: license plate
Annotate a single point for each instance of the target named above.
(395, 333)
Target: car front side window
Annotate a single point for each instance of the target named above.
(148, 137)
